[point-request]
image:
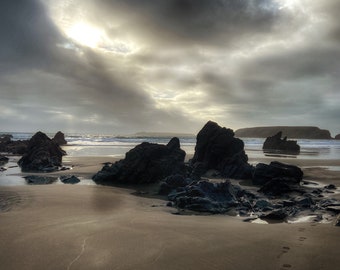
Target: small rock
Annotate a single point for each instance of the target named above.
(69, 179)
(331, 186)
(39, 180)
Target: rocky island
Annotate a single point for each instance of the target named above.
(296, 132)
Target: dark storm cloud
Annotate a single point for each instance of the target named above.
(37, 70)
(171, 64)
(213, 23)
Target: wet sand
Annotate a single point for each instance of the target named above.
(96, 227)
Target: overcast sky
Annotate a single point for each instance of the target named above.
(122, 66)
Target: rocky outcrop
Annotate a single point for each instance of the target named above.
(14, 147)
(42, 154)
(146, 163)
(218, 149)
(59, 138)
(337, 137)
(297, 132)
(276, 200)
(276, 144)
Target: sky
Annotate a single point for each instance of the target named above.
(123, 66)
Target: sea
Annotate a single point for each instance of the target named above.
(80, 145)
(116, 146)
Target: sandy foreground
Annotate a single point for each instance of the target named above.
(96, 227)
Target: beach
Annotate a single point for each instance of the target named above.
(101, 227)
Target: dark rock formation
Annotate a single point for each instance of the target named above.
(173, 182)
(39, 180)
(218, 149)
(42, 154)
(146, 163)
(69, 179)
(59, 138)
(337, 137)
(207, 197)
(264, 173)
(298, 132)
(3, 160)
(275, 143)
(9, 146)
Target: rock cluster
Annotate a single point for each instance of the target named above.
(9, 146)
(146, 163)
(42, 154)
(276, 144)
(276, 192)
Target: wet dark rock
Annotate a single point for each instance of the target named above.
(279, 186)
(173, 182)
(330, 187)
(305, 202)
(146, 163)
(206, 197)
(39, 180)
(275, 143)
(335, 209)
(69, 179)
(3, 160)
(59, 138)
(42, 154)
(279, 214)
(264, 173)
(218, 149)
(263, 205)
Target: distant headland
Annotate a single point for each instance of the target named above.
(296, 132)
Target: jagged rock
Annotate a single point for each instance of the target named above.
(69, 179)
(3, 160)
(39, 180)
(59, 138)
(42, 154)
(275, 143)
(146, 163)
(264, 173)
(207, 197)
(217, 148)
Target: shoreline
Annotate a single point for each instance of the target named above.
(105, 227)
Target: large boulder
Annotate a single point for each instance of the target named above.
(218, 149)
(146, 163)
(264, 173)
(43, 154)
(275, 143)
(59, 138)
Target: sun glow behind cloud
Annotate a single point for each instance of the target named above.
(85, 34)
